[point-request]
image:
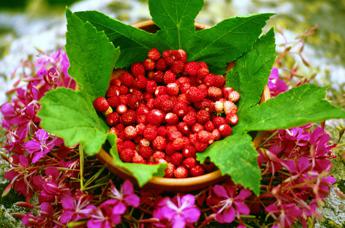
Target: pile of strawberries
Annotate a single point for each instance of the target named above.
(166, 109)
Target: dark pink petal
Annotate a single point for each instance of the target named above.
(227, 216)
(132, 200)
(127, 188)
(32, 146)
(220, 191)
(41, 135)
(242, 208)
(244, 194)
(115, 218)
(68, 202)
(119, 209)
(66, 217)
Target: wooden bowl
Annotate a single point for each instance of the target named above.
(173, 184)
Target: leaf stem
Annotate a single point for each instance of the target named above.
(81, 161)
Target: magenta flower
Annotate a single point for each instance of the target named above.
(101, 218)
(76, 208)
(284, 214)
(178, 212)
(275, 84)
(227, 204)
(41, 144)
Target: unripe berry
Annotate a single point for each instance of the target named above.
(214, 92)
(101, 104)
(229, 107)
(144, 142)
(182, 55)
(130, 132)
(225, 130)
(219, 106)
(153, 54)
(234, 96)
(181, 172)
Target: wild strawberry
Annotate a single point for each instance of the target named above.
(172, 89)
(218, 120)
(206, 104)
(116, 81)
(197, 170)
(177, 67)
(130, 132)
(127, 79)
(225, 130)
(181, 172)
(203, 116)
(138, 159)
(229, 107)
(150, 133)
(209, 126)
(153, 54)
(101, 104)
(144, 142)
(161, 64)
(159, 143)
(205, 137)
(191, 68)
(189, 151)
(200, 147)
(234, 96)
(219, 106)
(190, 118)
(183, 80)
(162, 131)
(169, 171)
(126, 145)
(171, 118)
(167, 105)
(168, 57)
(219, 81)
(149, 64)
(203, 70)
(180, 109)
(227, 91)
(176, 158)
(169, 77)
(151, 86)
(195, 94)
(161, 90)
(126, 155)
(189, 162)
(140, 128)
(145, 151)
(178, 144)
(124, 98)
(158, 76)
(182, 55)
(197, 127)
(232, 118)
(216, 134)
(155, 117)
(112, 119)
(158, 155)
(184, 87)
(140, 82)
(204, 89)
(173, 134)
(119, 127)
(193, 138)
(114, 101)
(138, 69)
(214, 92)
(183, 128)
(209, 80)
(129, 117)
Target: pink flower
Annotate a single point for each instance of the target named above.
(76, 208)
(178, 212)
(102, 218)
(41, 144)
(227, 203)
(284, 214)
(275, 84)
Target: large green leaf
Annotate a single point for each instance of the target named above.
(92, 56)
(71, 116)
(142, 173)
(226, 41)
(134, 43)
(298, 106)
(250, 74)
(236, 157)
(175, 18)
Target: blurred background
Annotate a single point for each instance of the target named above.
(311, 31)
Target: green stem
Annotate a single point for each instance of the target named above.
(81, 161)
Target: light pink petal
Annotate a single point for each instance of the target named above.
(119, 209)
(41, 135)
(178, 221)
(191, 214)
(188, 200)
(163, 213)
(93, 223)
(132, 200)
(32, 146)
(68, 202)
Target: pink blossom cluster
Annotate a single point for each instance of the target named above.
(295, 165)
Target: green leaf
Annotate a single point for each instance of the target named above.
(236, 157)
(142, 173)
(298, 106)
(175, 18)
(134, 43)
(251, 72)
(226, 41)
(71, 116)
(92, 56)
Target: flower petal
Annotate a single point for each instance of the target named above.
(219, 190)
(132, 200)
(227, 216)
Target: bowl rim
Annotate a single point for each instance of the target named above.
(181, 184)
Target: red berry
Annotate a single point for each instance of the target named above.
(101, 104)
(138, 69)
(169, 171)
(121, 109)
(126, 145)
(225, 130)
(200, 147)
(173, 134)
(218, 120)
(130, 132)
(153, 54)
(232, 119)
(182, 55)
(209, 126)
(162, 131)
(181, 172)
(192, 68)
(161, 64)
(145, 151)
(176, 158)
(158, 76)
(178, 144)
(183, 128)
(203, 70)
(140, 82)
(195, 94)
(114, 101)
(197, 127)
(203, 116)
(159, 143)
(150, 133)
(158, 155)
(171, 118)
(149, 64)
(161, 90)
(219, 81)
(129, 117)
(189, 151)
(214, 92)
(227, 91)
(155, 117)
(167, 105)
(172, 89)
(151, 86)
(189, 162)
(190, 118)
(169, 77)
(177, 67)
(205, 137)
(112, 119)
(126, 155)
(144, 142)
(216, 134)
(138, 159)
(127, 79)
(180, 109)
(197, 170)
